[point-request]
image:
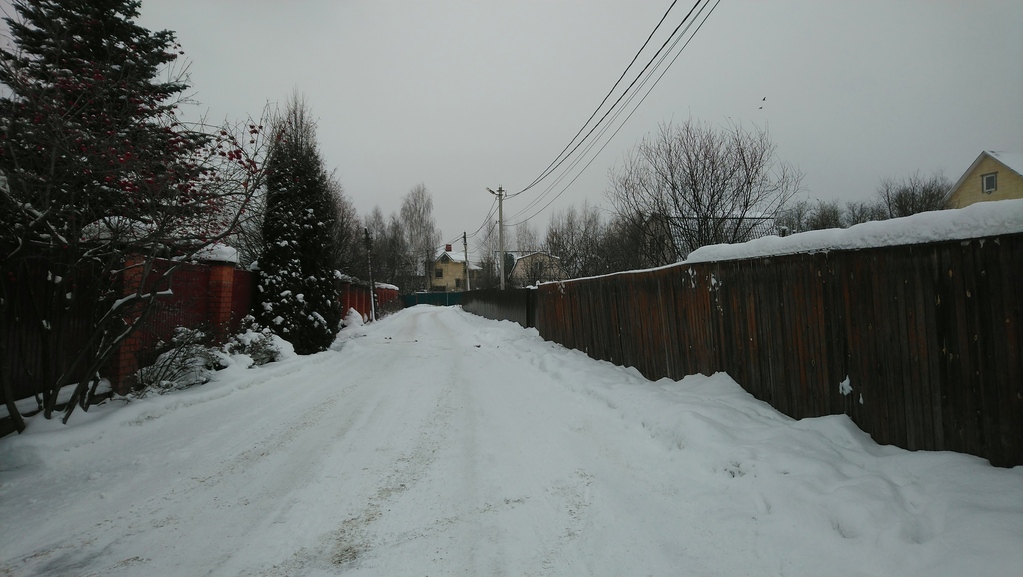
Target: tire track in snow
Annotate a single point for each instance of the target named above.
(351, 543)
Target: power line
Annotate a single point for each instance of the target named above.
(615, 107)
(558, 162)
(549, 168)
(490, 214)
(674, 41)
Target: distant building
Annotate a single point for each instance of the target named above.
(449, 272)
(993, 176)
(535, 268)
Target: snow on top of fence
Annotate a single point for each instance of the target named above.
(982, 219)
(218, 252)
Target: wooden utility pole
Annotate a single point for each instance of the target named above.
(372, 285)
(465, 249)
(500, 227)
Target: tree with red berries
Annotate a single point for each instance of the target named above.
(98, 178)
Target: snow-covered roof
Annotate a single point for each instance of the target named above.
(456, 257)
(534, 253)
(1013, 160)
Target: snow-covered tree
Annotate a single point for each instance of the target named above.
(97, 168)
(298, 290)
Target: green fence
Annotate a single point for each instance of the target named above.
(437, 299)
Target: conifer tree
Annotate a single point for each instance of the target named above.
(95, 166)
(298, 288)
(88, 132)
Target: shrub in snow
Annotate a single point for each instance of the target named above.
(255, 341)
(187, 361)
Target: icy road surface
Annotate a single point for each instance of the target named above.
(438, 443)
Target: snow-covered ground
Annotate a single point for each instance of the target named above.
(438, 443)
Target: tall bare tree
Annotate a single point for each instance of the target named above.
(690, 185)
(526, 239)
(574, 237)
(487, 249)
(348, 232)
(421, 236)
(857, 212)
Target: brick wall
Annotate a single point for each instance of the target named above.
(204, 296)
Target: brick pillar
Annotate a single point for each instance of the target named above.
(220, 305)
(125, 363)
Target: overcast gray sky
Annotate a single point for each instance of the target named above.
(462, 95)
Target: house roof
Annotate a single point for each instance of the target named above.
(456, 257)
(532, 254)
(1012, 160)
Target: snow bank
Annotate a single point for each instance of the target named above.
(354, 318)
(978, 220)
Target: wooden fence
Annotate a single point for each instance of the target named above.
(516, 305)
(920, 345)
(32, 355)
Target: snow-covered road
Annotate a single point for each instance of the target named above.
(438, 443)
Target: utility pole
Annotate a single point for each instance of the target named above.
(500, 227)
(372, 285)
(465, 248)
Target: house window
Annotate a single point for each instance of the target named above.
(989, 182)
(439, 273)
(458, 283)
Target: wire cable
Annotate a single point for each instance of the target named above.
(614, 118)
(658, 57)
(557, 163)
(602, 102)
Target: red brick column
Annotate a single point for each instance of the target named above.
(125, 363)
(220, 304)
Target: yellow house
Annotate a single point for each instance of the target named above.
(449, 272)
(993, 176)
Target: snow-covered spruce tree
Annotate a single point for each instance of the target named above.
(298, 289)
(97, 167)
